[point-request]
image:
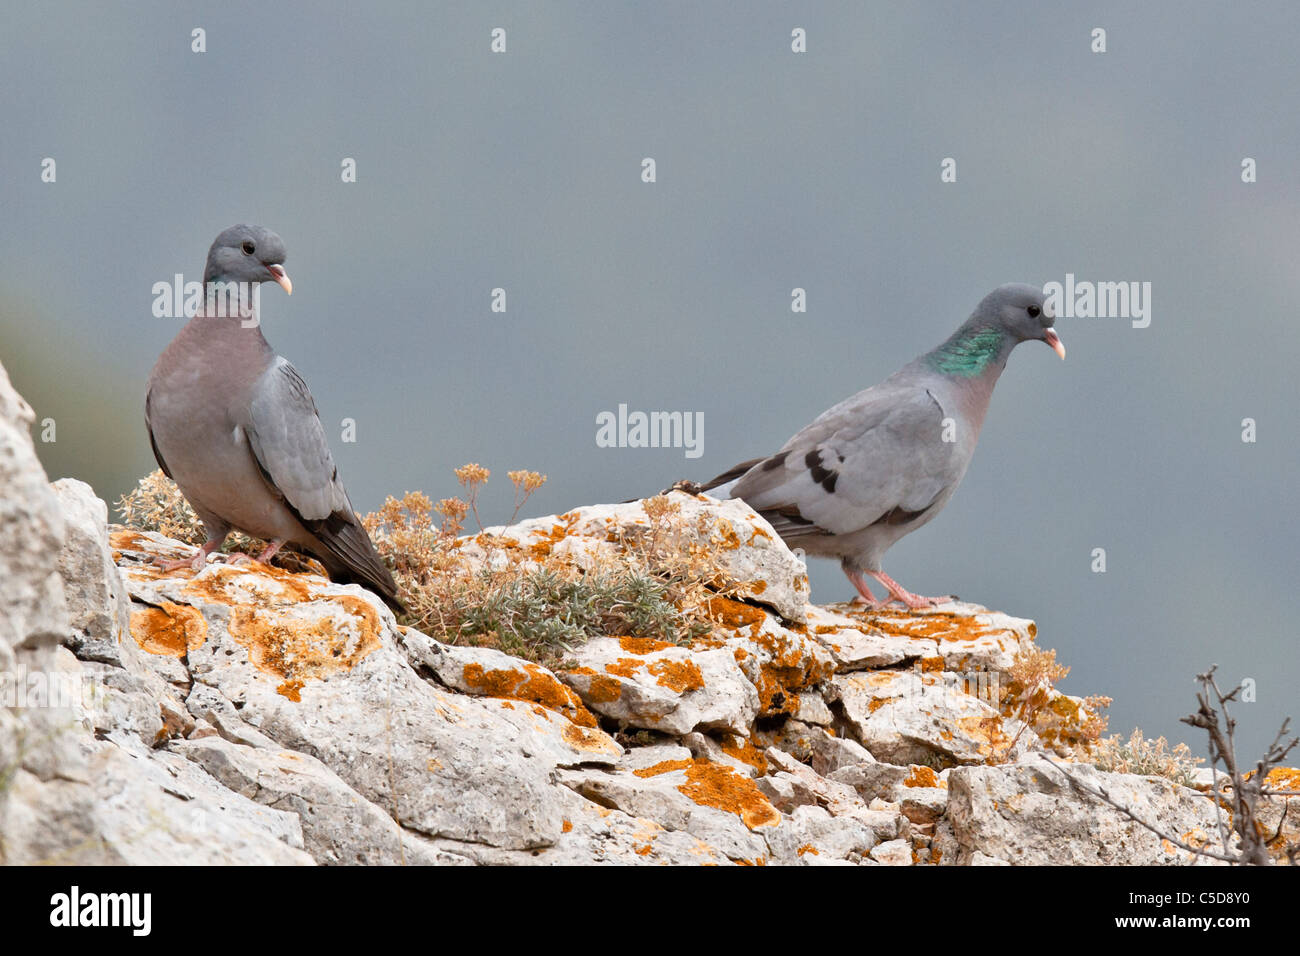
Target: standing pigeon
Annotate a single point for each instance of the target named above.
(884, 462)
(235, 427)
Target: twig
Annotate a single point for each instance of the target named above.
(1102, 795)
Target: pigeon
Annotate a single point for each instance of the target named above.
(235, 427)
(883, 463)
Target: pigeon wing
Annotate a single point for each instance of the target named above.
(288, 441)
(879, 455)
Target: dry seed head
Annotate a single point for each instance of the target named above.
(530, 481)
(472, 474)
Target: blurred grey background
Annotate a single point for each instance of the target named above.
(775, 170)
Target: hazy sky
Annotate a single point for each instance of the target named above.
(774, 170)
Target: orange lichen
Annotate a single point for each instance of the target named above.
(591, 739)
(129, 540)
(288, 625)
(931, 665)
(808, 848)
(642, 645)
(1283, 778)
(940, 626)
(169, 630)
(256, 584)
(645, 849)
(528, 683)
(566, 826)
(790, 667)
(924, 777)
(986, 732)
(677, 676)
(713, 785)
(735, 614)
(624, 667)
(603, 690)
(298, 647)
(549, 539)
(743, 749)
(664, 766)
(727, 537)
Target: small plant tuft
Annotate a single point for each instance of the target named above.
(1145, 757)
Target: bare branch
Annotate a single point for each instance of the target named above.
(1101, 794)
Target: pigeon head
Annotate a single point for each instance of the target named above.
(247, 254)
(1023, 312)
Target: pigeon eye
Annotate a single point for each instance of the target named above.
(248, 247)
(1033, 309)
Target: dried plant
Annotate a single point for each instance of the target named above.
(1145, 757)
(1243, 839)
(1060, 721)
(534, 605)
(156, 504)
(682, 555)
(1246, 789)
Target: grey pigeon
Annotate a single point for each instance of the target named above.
(235, 427)
(884, 462)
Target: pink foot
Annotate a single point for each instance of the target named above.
(914, 602)
(195, 563)
(864, 597)
(269, 551)
(263, 557)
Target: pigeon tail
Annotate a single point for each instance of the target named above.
(354, 558)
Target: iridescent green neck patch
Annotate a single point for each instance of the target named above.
(968, 355)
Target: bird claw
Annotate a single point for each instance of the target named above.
(195, 563)
(918, 602)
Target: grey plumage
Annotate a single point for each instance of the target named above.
(884, 462)
(234, 425)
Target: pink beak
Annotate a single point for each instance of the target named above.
(282, 278)
(1049, 335)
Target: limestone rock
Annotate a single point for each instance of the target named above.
(740, 543)
(248, 715)
(155, 811)
(98, 605)
(659, 686)
(710, 801)
(908, 717)
(338, 825)
(1029, 813)
(893, 853)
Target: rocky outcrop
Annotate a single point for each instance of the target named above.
(246, 714)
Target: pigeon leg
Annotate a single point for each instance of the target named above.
(900, 593)
(860, 584)
(263, 557)
(195, 563)
(269, 551)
